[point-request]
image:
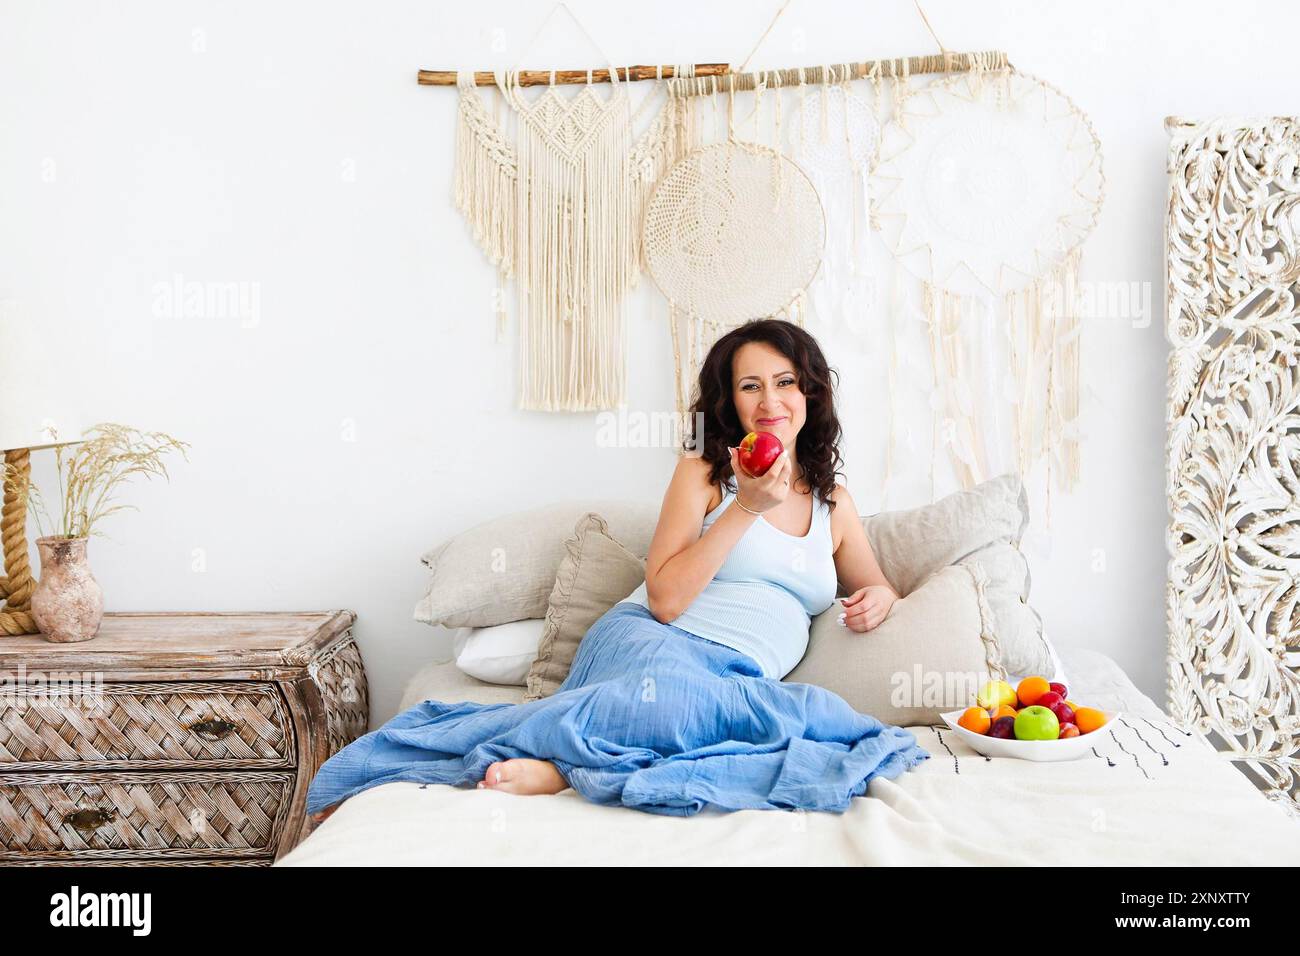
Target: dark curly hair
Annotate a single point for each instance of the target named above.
(818, 445)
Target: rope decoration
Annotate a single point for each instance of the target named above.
(17, 585)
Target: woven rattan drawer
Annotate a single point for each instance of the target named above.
(134, 816)
(173, 738)
(143, 861)
(127, 726)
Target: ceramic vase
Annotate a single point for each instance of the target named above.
(68, 602)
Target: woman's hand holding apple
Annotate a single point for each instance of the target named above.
(765, 493)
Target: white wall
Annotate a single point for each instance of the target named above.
(363, 411)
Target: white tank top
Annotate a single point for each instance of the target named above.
(763, 598)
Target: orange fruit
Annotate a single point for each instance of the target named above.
(1073, 705)
(1006, 710)
(975, 719)
(1030, 689)
(1088, 719)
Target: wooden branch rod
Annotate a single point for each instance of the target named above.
(543, 77)
(710, 76)
(835, 72)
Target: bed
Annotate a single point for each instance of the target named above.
(1151, 795)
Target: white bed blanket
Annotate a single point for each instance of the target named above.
(1150, 796)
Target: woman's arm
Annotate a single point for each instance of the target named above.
(870, 595)
(681, 561)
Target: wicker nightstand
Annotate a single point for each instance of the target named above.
(173, 738)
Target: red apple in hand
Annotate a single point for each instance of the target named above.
(757, 451)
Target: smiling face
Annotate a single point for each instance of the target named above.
(765, 389)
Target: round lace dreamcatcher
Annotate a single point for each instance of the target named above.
(987, 180)
(733, 232)
(835, 140)
(987, 186)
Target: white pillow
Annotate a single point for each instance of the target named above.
(502, 654)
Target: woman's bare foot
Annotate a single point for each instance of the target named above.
(525, 776)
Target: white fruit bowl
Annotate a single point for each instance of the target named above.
(1071, 748)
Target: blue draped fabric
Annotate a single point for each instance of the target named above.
(650, 717)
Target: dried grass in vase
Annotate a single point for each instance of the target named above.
(89, 476)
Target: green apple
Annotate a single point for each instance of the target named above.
(1036, 723)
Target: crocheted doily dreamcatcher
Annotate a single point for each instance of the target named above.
(733, 232)
(987, 181)
(987, 186)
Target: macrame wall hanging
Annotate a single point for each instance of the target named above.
(556, 204)
(980, 184)
(987, 185)
(834, 142)
(737, 230)
(983, 183)
(734, 231)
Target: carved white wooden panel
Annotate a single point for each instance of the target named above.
(1232, 246)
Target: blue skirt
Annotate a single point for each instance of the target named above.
(650, 717)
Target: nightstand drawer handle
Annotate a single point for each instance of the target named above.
(88, 820)
(214, 729)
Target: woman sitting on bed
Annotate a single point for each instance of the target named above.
(674, 700)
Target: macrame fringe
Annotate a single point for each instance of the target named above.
(841, 289)
(566, 230)
(700, 334)
(651, 158)
(485, 177)
(1044, 329)
(894, 312)
(955, 421)
(578, 259)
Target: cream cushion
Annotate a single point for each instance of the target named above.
(981, 528)
(912, 544)
(931, 654)
(596, 572)
(503, 570)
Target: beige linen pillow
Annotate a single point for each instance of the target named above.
(503, 570)
(595, 573)
(931, 654)
(913, 544)
(980, 527)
